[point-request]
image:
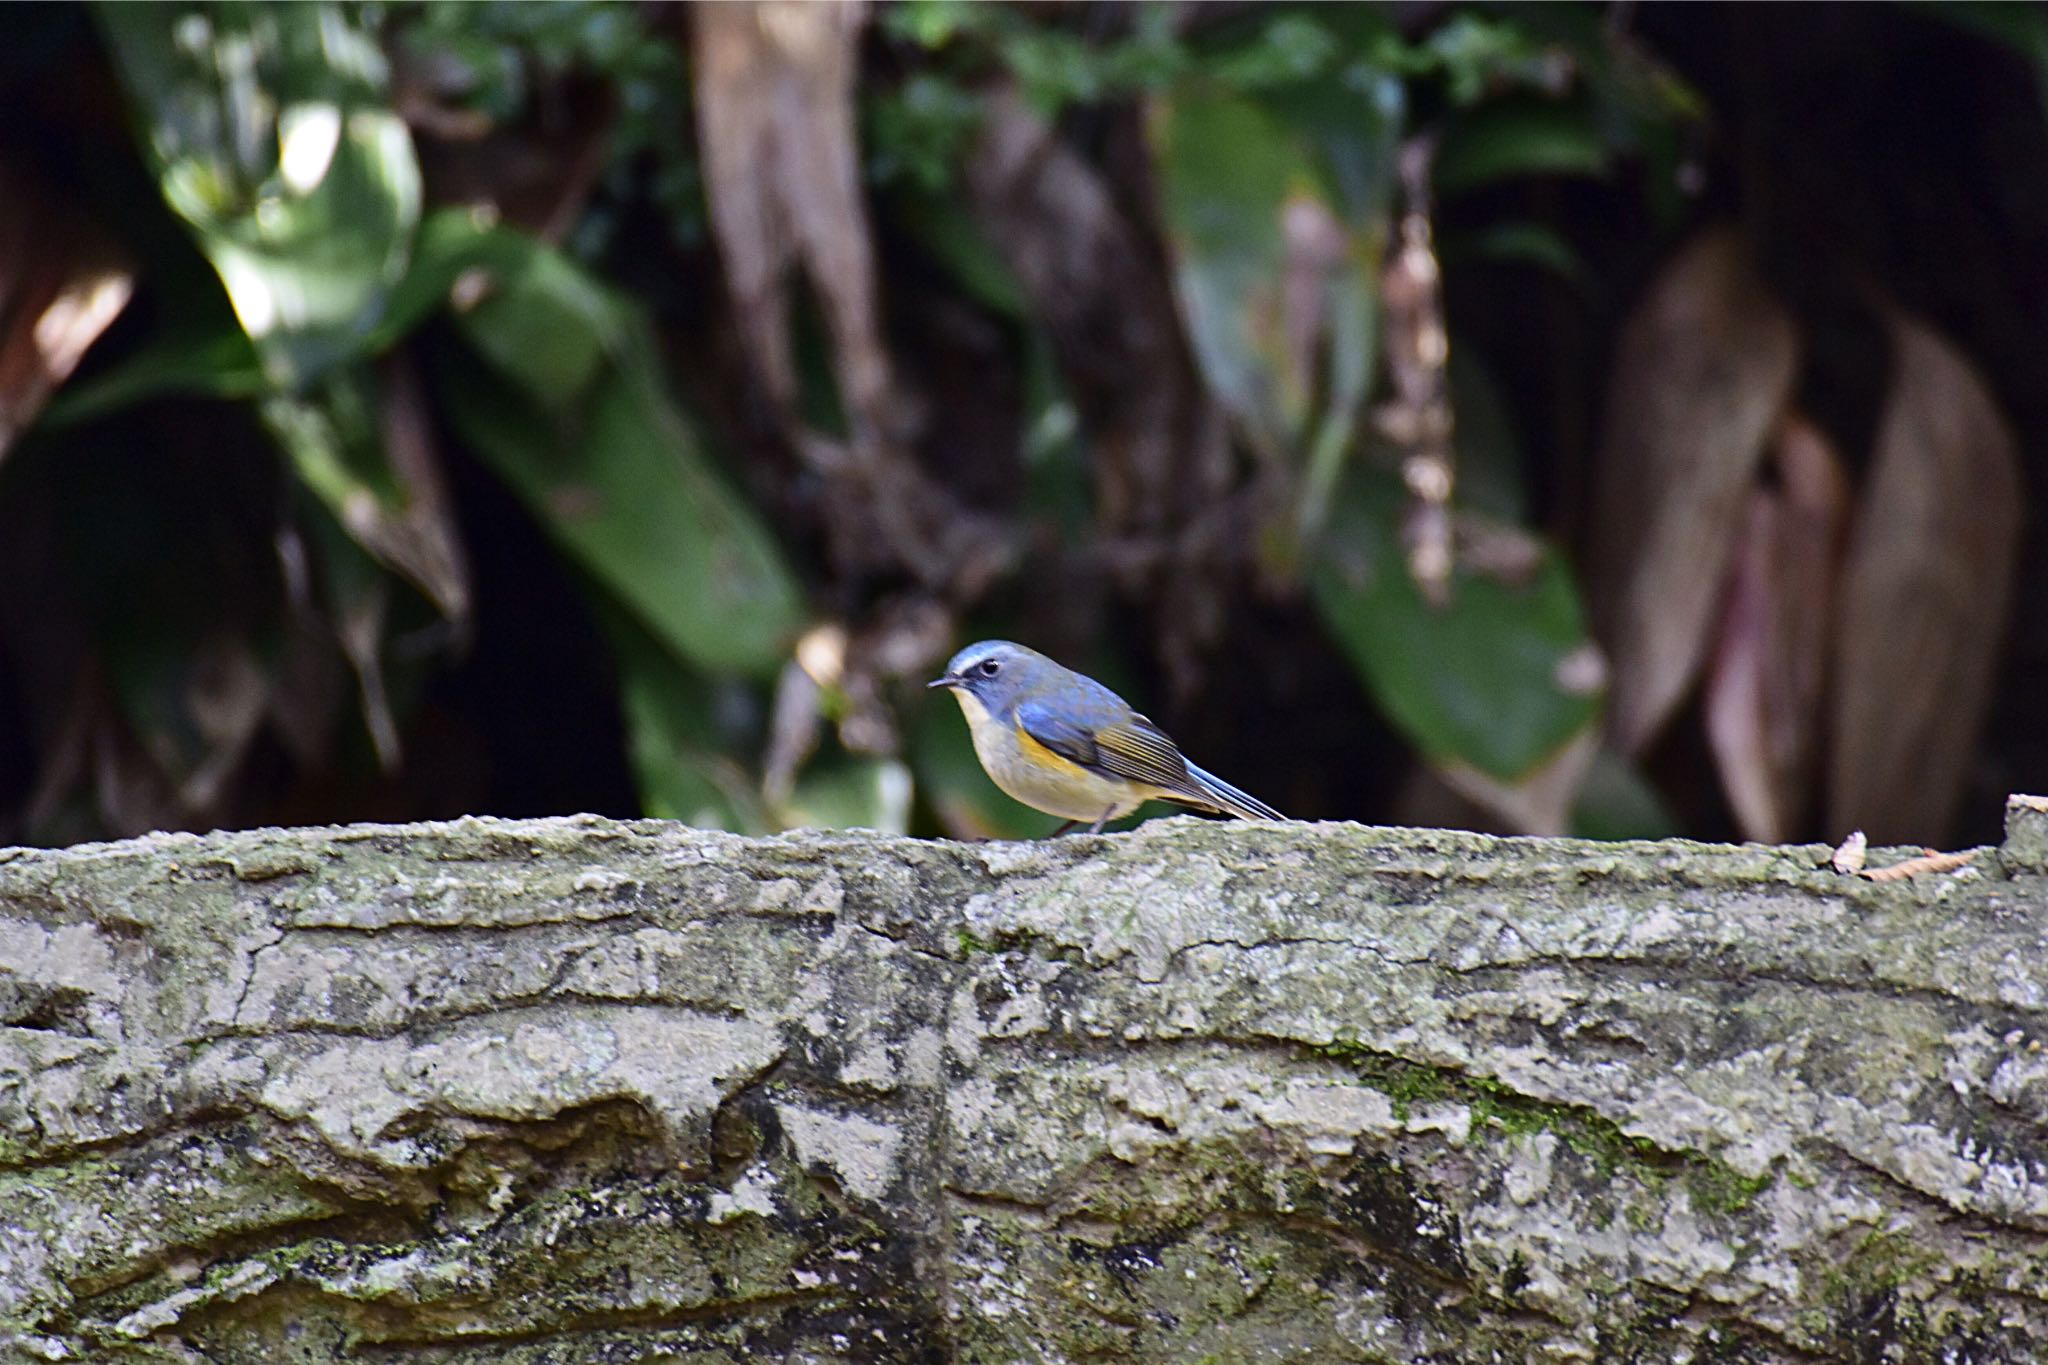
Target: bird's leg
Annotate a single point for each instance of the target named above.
(1100, 821)
(1063, 829)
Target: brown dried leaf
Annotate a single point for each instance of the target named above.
(359, 627)
(62, 281)
(1913, 867)
(1703, 369)
(1418, 352)
(1924, 594)
(91, 746)
(1767, 672)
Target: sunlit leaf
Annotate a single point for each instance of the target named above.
(570, 408)
(270, 135)
(1498, 680)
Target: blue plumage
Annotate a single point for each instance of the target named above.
(1061, 742)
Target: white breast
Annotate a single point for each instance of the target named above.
(1067, 792)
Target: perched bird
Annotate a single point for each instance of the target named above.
(1061, 742)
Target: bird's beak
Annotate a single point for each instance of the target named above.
(946, 680)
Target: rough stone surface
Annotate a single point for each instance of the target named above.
(572, 1090)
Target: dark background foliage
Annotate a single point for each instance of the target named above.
(1616, 419)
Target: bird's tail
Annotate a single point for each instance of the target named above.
(1228, 799)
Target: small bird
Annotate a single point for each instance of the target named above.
(1061, 742)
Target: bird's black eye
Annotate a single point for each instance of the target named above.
(988, 668)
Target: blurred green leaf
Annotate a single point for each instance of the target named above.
(223, 362)
(934, 23)
(1275, 272)
(552, 328)
(1531, 243)
(1480, 54)
(1489, 453)
(1286, 47)
(942, 225)
(572, 412)
(916, 132)
(850, 792)
(270, 136)
(1482, 680)
(1618, 802)
(1508, 138)
(223, 365)
(2021, 28)
(673, 736)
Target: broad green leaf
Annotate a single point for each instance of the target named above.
(569, 407)
(1227, 170)
(270, 135)
(1485, 680)
(1518, 137)
(1275, 249)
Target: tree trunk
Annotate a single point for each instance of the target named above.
(571, 1090)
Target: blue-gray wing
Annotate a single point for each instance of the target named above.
(1070, 738)
(1134, 749)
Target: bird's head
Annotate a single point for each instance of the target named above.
(995, 673)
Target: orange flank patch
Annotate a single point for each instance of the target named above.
(1039, 754)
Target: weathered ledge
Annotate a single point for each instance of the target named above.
(573, 1090)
